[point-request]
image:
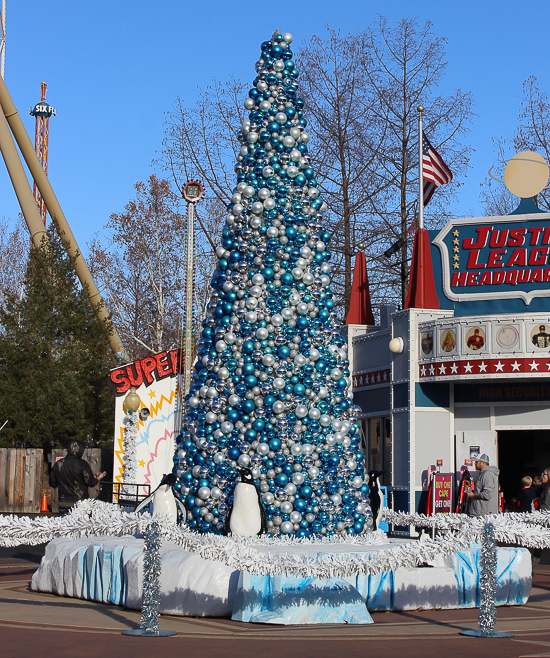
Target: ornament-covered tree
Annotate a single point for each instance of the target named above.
(270, 385)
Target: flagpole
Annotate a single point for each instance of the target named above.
(420, 172)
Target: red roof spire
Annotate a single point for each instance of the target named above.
(421, 293)
(360, 309)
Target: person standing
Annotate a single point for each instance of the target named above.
(526, 497)
(484, 500)
(543, 493)
(72, 475)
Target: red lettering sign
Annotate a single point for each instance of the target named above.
(442, 498)
(149, 369)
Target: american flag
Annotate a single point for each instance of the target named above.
(435, 172)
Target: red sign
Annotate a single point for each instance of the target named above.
(442, 493)
(146, 370)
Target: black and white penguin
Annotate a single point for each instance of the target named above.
(376, 497)
(164, 501)
(246, 516)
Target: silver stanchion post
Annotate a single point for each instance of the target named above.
(151, 586)
(487, 584)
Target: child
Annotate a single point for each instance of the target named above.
(527, 495)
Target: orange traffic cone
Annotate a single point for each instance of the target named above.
(44, 507)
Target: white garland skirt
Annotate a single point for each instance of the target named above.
(529, 529)
(93, 518)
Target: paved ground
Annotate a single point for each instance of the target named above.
(44, 625)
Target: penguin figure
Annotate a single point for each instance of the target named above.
(246, 516)
(376, 498)
(164, 501)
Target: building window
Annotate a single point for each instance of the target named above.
(378, 446)
(376, 455)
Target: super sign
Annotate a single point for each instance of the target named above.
(496, 257)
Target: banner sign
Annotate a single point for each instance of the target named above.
(442, 498)
(496, 257)
(146, 371)
(157, 381)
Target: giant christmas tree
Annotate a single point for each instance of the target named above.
(270, 386)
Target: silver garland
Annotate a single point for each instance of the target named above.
(487, 581)
(93, 518)
(513, 522)
(129, 460)
(151, 588)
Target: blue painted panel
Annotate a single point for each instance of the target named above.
(429, 394)
(373, 400)
(292, 600)
(400, 396)
(420, 501)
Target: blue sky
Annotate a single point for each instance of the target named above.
(113, 69)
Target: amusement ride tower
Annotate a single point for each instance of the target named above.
(42, 112)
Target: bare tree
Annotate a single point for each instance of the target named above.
(495, 197)
(14, 252)
(532, 134)
(348, 139)
(404, 65)
(361, 94)
(202, 142)
(141, 269)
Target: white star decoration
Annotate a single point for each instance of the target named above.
(468, 368)
(482, 367)
(423, 371)
(432, 370)
(515, 366)
(442, 369)
(499, 367)
(534, 365)
(454, 369)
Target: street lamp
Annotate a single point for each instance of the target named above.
(192, 193)
(132, 401)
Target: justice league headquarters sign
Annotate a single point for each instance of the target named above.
(496, 257)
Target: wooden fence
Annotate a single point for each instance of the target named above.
(21, 476)
(24, 478)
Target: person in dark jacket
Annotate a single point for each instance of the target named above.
(72, 476)
(527, 496)
(484, 500)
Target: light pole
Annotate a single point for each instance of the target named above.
(192, 193)
(132, 403)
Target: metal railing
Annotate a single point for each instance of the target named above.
(128, 495)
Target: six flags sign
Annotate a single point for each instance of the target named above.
(496, 257)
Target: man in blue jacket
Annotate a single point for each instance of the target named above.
(485, 498)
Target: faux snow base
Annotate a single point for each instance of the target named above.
(109, 570)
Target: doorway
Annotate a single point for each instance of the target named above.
(520, 453)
